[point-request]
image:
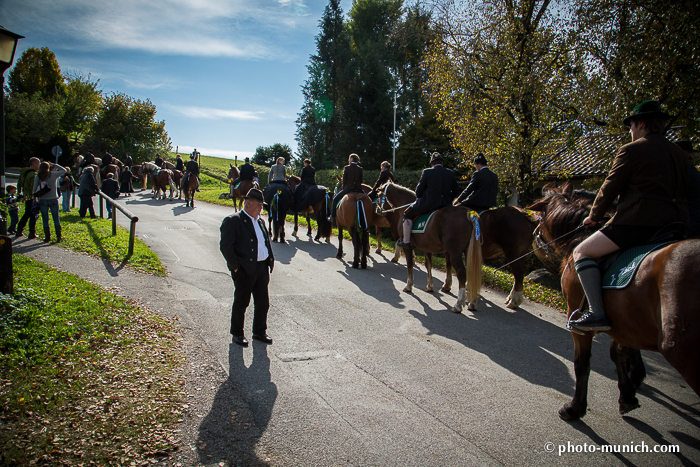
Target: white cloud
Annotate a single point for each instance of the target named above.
(216, 114)
(227, 28)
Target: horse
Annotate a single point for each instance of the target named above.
(139, 177)
(657, 311)
(507, 230)
(95, 169)
(320, 208)
(353, 213)
(243, 187)
(190, 189)
(450, 231)
(110, 169)
(279, 200)
(161, 178)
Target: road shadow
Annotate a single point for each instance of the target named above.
(240, 412)
(284, 252)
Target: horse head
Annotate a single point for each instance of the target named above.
(233, 172)
(293, 181)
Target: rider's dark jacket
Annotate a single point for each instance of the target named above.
(193, 167)
(179, 165)
(106, 160)
(649, 176)
(308, 175)
(436, 189)
(89, 159)
(482, 190)
(247, 172)
(384, 176)
(352, 178)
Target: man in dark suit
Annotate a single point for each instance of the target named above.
(245, 243)
(649, 181)
(482, 190)
(246, 172)
(352, 182)
(436, 189)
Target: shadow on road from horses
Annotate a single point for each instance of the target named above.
(178, 210)
(241, 409)
(284, 252)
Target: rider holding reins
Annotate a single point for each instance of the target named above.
(649, 176)
(192, 167)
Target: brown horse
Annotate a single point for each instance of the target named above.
(319, 209)
(190, 189)
(110, 169)
(657, 311)
(450, 231)
(160, 177)
(242, 190)
(507, 231)
(354, 213)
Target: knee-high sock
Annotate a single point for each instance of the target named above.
(589, 275)
(407, 226)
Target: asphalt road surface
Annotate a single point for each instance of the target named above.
(363, 374)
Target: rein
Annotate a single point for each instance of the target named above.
(543, 246)
(384, 200)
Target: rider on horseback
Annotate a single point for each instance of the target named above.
(247, 172)
(384, 176)
(191, 168)
(308, 179)
(482, 190)
(436, 189)
(352, 182)
(106, 160)
(88, 160)
(278, 172)
(649, 176)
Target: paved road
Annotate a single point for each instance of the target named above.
(361, 373)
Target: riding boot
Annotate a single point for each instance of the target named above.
(594, 319)
(407, 226)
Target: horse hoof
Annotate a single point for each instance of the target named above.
(394, 260)
(363, 265)
(471, 307)
(510, 304)
(445, 289)
(456, 310)
(339, 256)
(355, 265)
(408, 289)
(570, 413)
(627, 407)
(429, 289)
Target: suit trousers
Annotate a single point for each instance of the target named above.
(245, 286)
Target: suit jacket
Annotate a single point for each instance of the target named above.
(110, 187)
(436, 189)
(384, 176)
(352, 177)
(179, 165)
(482, 189)
(88, 185)
(308, 175)
(650, 177)
(239, 244)
(247, 172)
(193, 167)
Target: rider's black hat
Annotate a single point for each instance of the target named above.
(436, 158)
(647, 109)
(256, 195)
(480, 159)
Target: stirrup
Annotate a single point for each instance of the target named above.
(568, 322)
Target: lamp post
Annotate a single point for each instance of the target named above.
(8, 45)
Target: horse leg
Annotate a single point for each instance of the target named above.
(409, 266)
(397, 255)
(378, 234)
(339, 255)
(356, 246)
(281, 230)
(462, 280)
(515, 297)
(308, 231)
(296, 224)
(365, 248)
(429, 267)
(576, 409)
(619, 354)
(448, 276)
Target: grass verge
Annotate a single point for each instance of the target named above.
(94, 237)
(87, 377)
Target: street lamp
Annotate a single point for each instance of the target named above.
(8, 45)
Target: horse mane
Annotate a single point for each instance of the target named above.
(294, 178)
(562, 214)
(400, 188)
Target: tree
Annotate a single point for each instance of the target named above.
(36, 72)
(501, 75)
(638, 50)
(127, 125)
(268, 155)
(81, 104)
(30, 124)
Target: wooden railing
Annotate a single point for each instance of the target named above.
(116, 206)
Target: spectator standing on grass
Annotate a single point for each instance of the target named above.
(86, 190)
(12, 203)
(110, 187)
(49, 173)
(66, 184)
(25, 184)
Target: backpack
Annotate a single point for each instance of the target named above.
(41, 190)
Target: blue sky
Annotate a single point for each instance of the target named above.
(225, 75)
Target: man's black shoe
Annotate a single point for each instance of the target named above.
(263, 338)
(240, 340)
(591, 321)
(403, 244)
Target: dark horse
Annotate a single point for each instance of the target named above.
(242, 190)
(320, 205)
(507, 231)
(279, 199)
(190, 189)
(657, 311)
(354, 213)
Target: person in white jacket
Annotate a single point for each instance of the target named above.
(47, 176)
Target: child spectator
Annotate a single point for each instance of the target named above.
(12, 208)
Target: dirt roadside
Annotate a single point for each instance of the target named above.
(217, 427)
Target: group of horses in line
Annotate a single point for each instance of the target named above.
(161, 178)
(659, 310)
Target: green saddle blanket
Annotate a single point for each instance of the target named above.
(237, 184)
(622, 270)
(421, 221)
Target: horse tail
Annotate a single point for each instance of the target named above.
(473, 268)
